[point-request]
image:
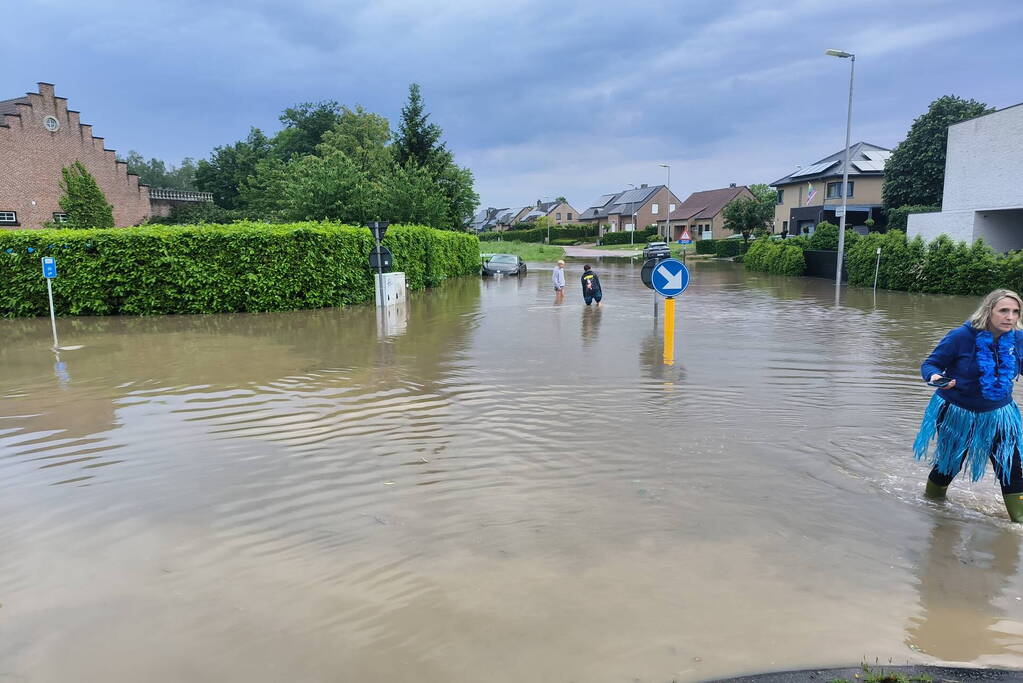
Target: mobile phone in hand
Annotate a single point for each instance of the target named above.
(940, 382)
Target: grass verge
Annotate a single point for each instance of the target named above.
(527, 250)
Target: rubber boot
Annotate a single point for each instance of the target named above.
(935, 492)
(1014, 506)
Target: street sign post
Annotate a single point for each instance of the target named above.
(669, 278)
(685, 238)
(50, 272)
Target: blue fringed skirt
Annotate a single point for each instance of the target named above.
(967, 439)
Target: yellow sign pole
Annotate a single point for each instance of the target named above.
(669, 331)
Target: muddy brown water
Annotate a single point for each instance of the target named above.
(492, 487)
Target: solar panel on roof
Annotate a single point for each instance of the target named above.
(816, 168)
(869, 165)
(876, 154)
(634, 196)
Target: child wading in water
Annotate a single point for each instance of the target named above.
(591, 286)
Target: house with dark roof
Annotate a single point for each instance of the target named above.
(632, 209)
(557, 213)
(701, 213)
(811, 194)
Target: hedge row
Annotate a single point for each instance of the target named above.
(775, 256)
(540, 234)
(633, 237)
(940, 266)
(726, 248)
(217, 268)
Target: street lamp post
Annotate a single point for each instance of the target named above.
(667, 204)
(632, 234)
(845, 167)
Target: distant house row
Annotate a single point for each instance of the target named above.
(700, 214)
(557, 212)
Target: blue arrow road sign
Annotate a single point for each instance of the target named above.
(671, 277)
(49, 267)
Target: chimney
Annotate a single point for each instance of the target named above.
(538, 203)
(731, 184)
(642, 186)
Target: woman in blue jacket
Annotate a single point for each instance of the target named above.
(972, 418)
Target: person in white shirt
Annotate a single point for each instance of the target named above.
(559, 281)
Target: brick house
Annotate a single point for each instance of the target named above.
(701, 213)
(557, 213)
(630, 210)
(38, 136)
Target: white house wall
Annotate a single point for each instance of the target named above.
(984, 162)
(983, 195)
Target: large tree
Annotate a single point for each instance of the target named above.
(304, 127)
(84, 203)
(328, 189)
(156, 173)
(418, 145)
(751, 215)
(230, 165)
(363, 137)
(915, 173)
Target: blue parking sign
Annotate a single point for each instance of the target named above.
(670, 277)
(49, 267)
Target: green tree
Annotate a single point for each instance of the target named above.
(417, 141)
(230, 165)
(409, 194)
(156, 173)
(363, 137)
(304, 127)
(751, 215)
(915, 173)
(328, 189)
(84, 203)
(262, 194)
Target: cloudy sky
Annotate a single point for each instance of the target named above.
(538, 98)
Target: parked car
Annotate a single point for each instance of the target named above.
(657, 250)
(504, 264)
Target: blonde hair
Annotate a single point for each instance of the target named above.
(561, 263)
(982, 316)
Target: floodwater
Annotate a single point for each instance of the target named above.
(488, 486)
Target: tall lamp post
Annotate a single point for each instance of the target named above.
(845, 167)
(667, 204)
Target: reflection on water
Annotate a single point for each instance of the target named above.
(965, 614)
(342, 494)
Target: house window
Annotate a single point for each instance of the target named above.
(834, 191)
(569, 216)
(653, 209)
(59, 217)
(9, 217)
(671, 207)
(557, 216)
(781, 196)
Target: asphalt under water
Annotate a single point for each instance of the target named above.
(491, 486)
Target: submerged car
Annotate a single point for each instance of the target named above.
(504, 264)
(657, 250)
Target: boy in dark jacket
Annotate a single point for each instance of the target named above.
(591, 286)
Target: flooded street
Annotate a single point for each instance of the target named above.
(493, 488)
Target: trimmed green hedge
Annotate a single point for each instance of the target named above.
(640, 237)
(150, 270)
(705, 246)
(775, 256)
(540, 234)
(940, 266)
(729, 247)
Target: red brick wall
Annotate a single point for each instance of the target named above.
(31, 158)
